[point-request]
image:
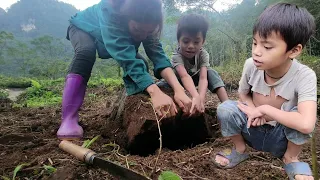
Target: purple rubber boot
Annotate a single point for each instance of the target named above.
(73, 94)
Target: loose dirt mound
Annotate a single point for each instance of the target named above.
(29, 136)
(139, 122)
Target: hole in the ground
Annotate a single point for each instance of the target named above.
(182, 135)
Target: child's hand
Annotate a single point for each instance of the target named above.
(258, 121)
(163, 104)
(253, 114)
(183, 101)
(203, 101)
(196, 106)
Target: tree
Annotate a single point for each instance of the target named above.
(5, 39)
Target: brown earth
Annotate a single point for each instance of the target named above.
(28, 135)
(139, 123)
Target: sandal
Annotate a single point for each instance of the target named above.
(297, 168)
(233, 156)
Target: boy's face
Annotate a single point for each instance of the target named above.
(271, 52)
(190, 45)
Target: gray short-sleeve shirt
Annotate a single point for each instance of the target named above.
(297, 85)
(201, 60)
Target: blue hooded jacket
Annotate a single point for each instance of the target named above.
(113, 40)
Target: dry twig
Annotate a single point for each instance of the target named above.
(207, 152)
(259, 157)
(160, 134)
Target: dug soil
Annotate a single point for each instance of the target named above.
(28, 135)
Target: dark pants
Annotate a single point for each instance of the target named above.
(267, 138)
(214, 80)
(84, 52)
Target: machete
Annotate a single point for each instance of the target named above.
(90, 157)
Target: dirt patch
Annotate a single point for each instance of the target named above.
(179, 132)
(28, 135)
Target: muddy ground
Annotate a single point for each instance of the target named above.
(28, 135)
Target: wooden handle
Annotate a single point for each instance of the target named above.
(83, 154)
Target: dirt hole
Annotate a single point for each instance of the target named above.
(181, 135)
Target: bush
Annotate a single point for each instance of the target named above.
(3, 94)
(109, 83)
(38, 95)
(49, 92)
(314, 63)
(9, 82)
(230, 72)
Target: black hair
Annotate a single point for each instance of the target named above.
(192, 24)
(296, 25)
(143, 11)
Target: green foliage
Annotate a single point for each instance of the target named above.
(49, 169)
(5, 178)
(3, 94)
(40, 93)
(314, 63)
(17, 169)
(169, 175)
(5, 38)
(109, 83)
(39, 96)
(87, 143)
(107, 68)
(231, 71)
(45, 57)
(10, 82)
(35, 84)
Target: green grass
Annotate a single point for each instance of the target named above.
(49, 92)
(87, 143)
(41, 94)
(111, 84)
(231, 71)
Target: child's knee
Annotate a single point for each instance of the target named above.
(230, 118)
(297, 137)
(229, 113)
(226, 110)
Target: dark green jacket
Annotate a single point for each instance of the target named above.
(111, 34)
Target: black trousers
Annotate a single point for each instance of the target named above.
(84, 52)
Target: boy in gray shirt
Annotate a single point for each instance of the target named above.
(191, 62)
(278, 108)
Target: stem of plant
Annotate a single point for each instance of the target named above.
(160, 135)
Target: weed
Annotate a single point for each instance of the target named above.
(88, 143)
(50, 169)
(17, 169)
(169, 175)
